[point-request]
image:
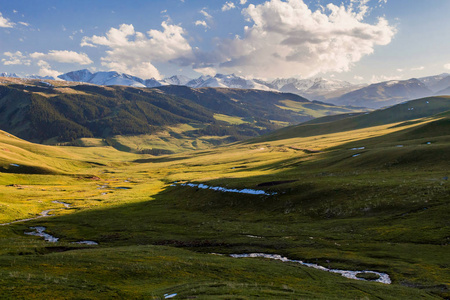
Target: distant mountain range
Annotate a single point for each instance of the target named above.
(332, 91)
(384, 94)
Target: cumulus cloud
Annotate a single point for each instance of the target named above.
(201, 23)
(63, 56)
(133, 52)
(5, 22)
(46, 70)
(242, 2)
(228, 5)
(288, 39)
(15, 58)
(447, 66)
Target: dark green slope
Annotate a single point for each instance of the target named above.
(39, 114)
(242, 103)
(62, 112)
(410, 110)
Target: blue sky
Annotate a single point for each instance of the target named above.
(354, 40)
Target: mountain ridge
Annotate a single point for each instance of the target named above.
(53, 111)
(338, 92)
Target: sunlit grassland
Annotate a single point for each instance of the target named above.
(174, 139)
(311, 108)
(229, 119)
(385, 210)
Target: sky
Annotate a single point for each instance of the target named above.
(360, 41)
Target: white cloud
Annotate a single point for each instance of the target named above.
(24, 23)
(5, 22)
(63, 56)
(46, 70)
(16, 58)
(288, 39)
(228, 5)
(381, 78)
(201, 23)
(15, 11)
(242, 2)
(133, 52)
(206, 71)
(205, 23)
(447, 66)
(359, 78)
(418, 68)
(205, 13)
(400, 70)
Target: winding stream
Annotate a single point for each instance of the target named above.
(40, 231)
(42, 214)
(222, 189)
(383, 277)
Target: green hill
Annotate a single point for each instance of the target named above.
(373, 198)
(362, 192)
(64, 113)
(407, 111)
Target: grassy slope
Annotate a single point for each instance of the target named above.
(57, 113)
(385, 210)
(402, 112)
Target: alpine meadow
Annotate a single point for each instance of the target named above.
(242, 149)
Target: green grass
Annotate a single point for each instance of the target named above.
(385, 210)
(230, 119)
(313, 109)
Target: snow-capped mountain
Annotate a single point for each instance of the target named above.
(103, 78)
(317, 84)
(115, 78)
(384, 94)
(432, 82)
(11, 75)
(442, 84)
(177, 80)
(315, 88)
(327, 90)
(227, 81)
(198, 81)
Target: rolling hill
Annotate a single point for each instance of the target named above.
(54, 112)
(403, 112)
(371, 199)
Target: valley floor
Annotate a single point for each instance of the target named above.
(371, 199)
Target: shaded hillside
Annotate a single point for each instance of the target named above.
(41, 113)
(53, 112)
(402, 112)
